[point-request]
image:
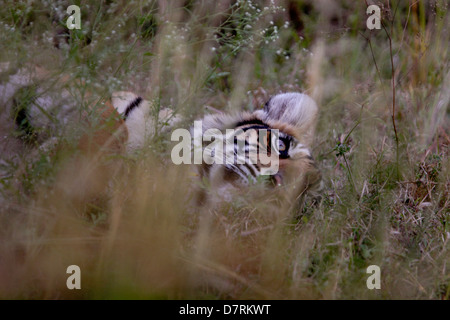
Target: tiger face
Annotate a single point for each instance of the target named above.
(292, 116)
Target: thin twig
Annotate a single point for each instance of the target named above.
(374, 60)
(350, 173)
(393, 96)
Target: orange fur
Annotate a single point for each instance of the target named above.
(108, 136)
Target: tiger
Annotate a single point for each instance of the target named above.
(128, 122)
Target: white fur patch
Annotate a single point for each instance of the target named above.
(140, 122)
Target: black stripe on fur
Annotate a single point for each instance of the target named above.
(252, 121)
(134, 104)
(22, 101)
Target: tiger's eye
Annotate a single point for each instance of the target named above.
(281, 145)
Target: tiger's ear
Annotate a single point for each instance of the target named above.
(296, 109)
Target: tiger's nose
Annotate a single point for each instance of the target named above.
(277, 179)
